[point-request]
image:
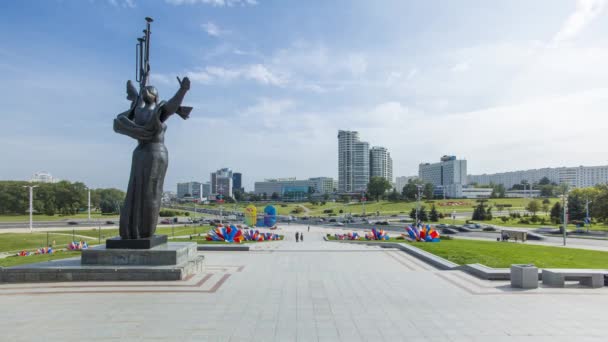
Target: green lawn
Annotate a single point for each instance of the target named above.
(16, 260)
(503, 254)
(15, 242)
(515, 223)
(26, 218)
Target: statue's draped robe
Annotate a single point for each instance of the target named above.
(139, 214)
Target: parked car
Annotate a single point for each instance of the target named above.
(72, 223)
(110, 222)
(332, 220)
(165, 221)
(339, 224)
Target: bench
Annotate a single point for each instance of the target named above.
(558, 277)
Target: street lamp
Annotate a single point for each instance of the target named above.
(363, 199)
(587, 218)
(565, 201)
(31, 187)
(89, 203)
(419, 187)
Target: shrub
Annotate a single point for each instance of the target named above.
(167, 213)
(328, 211)
(399, 238)
(504, 219)
(341, 211)
(283, 205)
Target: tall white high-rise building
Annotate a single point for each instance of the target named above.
(450, 174)
(221, 182)
(381, 163)
(353, 162)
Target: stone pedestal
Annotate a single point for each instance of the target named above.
(145, 243)
(524, 276)
(173, 253)
(171, 261)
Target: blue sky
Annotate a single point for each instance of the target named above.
(505, 84)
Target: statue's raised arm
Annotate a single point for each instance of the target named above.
(174, 105)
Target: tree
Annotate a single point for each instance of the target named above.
(274, 196)
(238, 195)
(556, 213)
(264, 196)
(498, 191)
(254, 198)
(547, 190)
(544, 181)
(422, 214)
(600, 203)
(410, 190)
(325, 197)
(377, 186)
(479, 213)
(393, 196)
(107, 207)
(533, 207)
(428, 190)
(545, 207)
(433, 215)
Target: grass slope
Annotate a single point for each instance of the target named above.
(503, 254)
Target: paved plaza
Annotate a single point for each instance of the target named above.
(310, 291)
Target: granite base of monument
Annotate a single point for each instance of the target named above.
(172, 261)
(143, 243)
(166, 254)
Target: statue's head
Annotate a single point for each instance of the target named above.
(150, 95)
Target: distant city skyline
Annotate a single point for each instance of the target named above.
(500, 83)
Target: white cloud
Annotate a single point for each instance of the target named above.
(262, 75)
(253, 72)
(215, 3)
(586, 11)
(460, 67)
(122, 3)
(213, 30)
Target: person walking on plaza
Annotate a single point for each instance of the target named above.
(309, 229)
(301, 237)
(297, 237)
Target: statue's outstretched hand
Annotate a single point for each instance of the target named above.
(184, 83)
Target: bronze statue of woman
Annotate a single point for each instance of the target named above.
(145, 122)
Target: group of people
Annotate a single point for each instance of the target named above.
(299, 237)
